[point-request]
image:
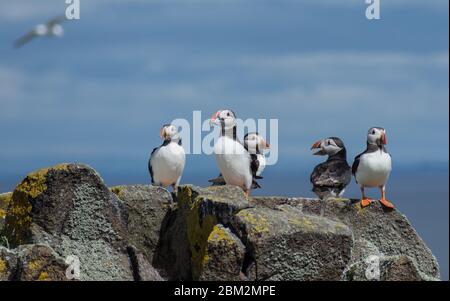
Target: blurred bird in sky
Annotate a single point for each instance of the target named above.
(52, 28)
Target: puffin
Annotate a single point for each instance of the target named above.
(167, 161)
(255, 144)
(330, 178)
(373, 167)
(52, 28)
(234, 161)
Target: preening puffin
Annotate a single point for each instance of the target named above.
(330, 178)
(373, 167)
(167, 161)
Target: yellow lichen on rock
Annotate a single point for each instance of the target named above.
(5, 199)
(43, 276)
(199, 226)
(18, 215)
(2, 266)
(117, 190)
(35, 265)
(258, 223)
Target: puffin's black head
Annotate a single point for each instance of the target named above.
(224, 118)
(329, 146)
(377, 135)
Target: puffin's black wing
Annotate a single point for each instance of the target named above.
(219, 181)
(332, 174)
(254, 165)
(150, 168)
(356, 163)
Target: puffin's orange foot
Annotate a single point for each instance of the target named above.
(387, 204)
(365, 202)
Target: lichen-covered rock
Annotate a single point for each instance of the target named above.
(5, 199)
(40, 263)
(376, 232)
(145, 207)
(190, 225)
(286, 244)
(69, 208)
(142, 268)
(224, 256)
(32, 263)
(8, 264)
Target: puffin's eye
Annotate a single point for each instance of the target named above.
(328, 142)
(228, 114)
(373, 132)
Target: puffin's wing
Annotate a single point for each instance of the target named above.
(331, 174)
(356, 163)
(150, 168)
(25, 39)
(218, 181)
(254, 164)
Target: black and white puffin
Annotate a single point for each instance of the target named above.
(330, 178)
(373, 167)
(235, 162)
(167, 162)
(255, 144)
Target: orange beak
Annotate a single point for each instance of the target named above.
(214, 116)
(384, 139)
(316, 144)
(162, 133)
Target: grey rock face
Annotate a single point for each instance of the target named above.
(69, 208)
(139, 233)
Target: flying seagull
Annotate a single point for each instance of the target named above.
(52, 28)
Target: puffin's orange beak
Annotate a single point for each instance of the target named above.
(214, 116)
(383, 138)
(162, 133)
(316, 144)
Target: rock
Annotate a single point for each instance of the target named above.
(32, 263)
(224, 256)
(5, 199)
(142, 269)
(190, 224)
(286, 244)
(145, 207)
(139, 233)
(69, 208)
(376, 232)
(8, 264)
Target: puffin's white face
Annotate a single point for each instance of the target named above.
(377, 136)
(326, 147)
(224, 118)
(169, 132)
(254, 142)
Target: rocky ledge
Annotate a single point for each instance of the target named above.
(143, 232)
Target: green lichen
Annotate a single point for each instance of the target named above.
(258, 224)
(18, 215)
(199, 227)
(303, 222)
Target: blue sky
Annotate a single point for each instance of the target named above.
(100, 94)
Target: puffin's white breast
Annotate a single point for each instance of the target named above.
(168, 164)
(374, 169)
(234, 162)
